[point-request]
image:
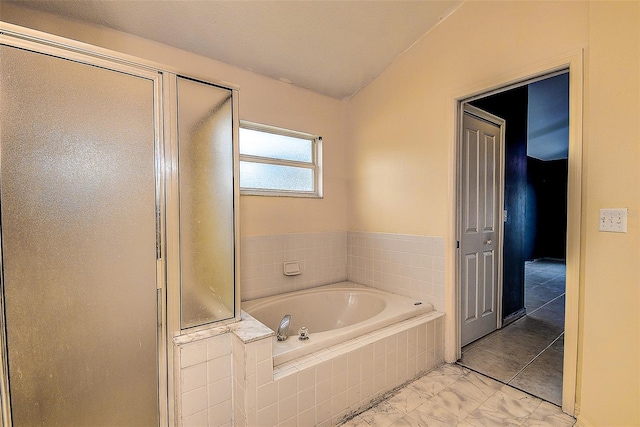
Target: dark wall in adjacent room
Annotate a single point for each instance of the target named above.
(512, 106)
(546, 222)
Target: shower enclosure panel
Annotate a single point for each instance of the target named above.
(207, 212)
(79, 211)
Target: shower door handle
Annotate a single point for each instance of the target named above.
(159, 308)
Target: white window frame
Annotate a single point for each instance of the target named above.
(315, 165)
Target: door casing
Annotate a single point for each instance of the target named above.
(574, 63)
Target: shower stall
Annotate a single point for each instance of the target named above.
(118, 228)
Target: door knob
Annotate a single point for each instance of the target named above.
(488, 242)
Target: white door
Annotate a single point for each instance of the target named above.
(480, 223)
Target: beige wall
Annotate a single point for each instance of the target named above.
(398, 137)
(262, 100)
(400, 151)
(610, 382)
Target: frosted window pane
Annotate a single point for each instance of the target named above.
(205, 138)
(265, 144)
(79, 243)
(277, 177)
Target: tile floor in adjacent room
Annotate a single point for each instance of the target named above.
(528, 354)
(452, 395)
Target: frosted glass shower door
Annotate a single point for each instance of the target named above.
(78, 210)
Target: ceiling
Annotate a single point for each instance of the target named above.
(548, 118)
(331, 47)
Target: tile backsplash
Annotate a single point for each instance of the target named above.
(408, 265)
(322, 258)
(403, 264)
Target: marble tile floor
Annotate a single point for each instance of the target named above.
(528, 354)
(452, 395)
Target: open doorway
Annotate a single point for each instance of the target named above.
(527, 352)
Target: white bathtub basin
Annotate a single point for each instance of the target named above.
(332, 314)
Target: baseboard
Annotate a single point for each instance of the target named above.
(514, 316)
(581, 422)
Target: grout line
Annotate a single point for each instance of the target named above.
(555, 277)
(532, 360)
(481, 340)
(546, 303)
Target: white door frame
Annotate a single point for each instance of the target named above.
(572, 62)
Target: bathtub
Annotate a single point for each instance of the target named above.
(332, 314)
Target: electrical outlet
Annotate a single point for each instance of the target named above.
(613, 220)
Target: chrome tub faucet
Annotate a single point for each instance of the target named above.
(283, 330)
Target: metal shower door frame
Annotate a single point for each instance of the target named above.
(41, 43)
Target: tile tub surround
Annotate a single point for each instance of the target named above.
(225, 375)
(402, 264)
(322, 258)
(325, 387)
(205, 380)
(206, 371)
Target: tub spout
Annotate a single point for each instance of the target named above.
(283, 330)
